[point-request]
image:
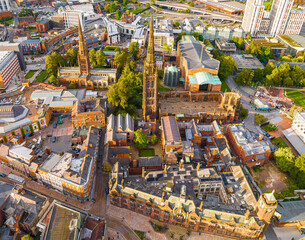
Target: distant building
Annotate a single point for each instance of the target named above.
(193, 57)
(293, 43)
(254, 12)
(296, 135)
(225, 47)
(9, 68)
(30, 45)
(16, 47)
(226, 6)
(295, 22)
(5, 6)
(71, 19)
(23, 209)
(43, 26)
(252, 150)
(246, 61)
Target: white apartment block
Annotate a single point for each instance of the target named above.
(71, 18)
(295, 22)
(298, 124)
(253, 16)
(5, 6)
(279, 15)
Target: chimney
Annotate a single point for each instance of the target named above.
(143, 172)
(198, 167)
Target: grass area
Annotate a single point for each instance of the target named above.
(225, 87)
(147, 152)
(289, 40)
(279, 142)
(299, 98)
(30, 74)
(270, 127)
(140, 234)
(161, 88)
(112, 48)
(289, 191)
(41, 76)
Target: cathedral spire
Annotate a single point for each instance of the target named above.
(81, 41)
(150, 50)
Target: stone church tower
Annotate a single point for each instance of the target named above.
(265, 207)
(83, 56)
(150, 79)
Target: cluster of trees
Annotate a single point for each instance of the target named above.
(259, 118)
(25, 12)
(176, 24)
(122, 58)
(53, 61)
(299, 58)
(97, 58)
(289, 163)
(284, 75)
(141, 139)
(243, 112)
(262, 53)
(126, 94)
(239, 42)
(191, 3)
(268, 6)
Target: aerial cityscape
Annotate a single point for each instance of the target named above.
(152, 119)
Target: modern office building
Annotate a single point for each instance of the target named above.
(5, 6)
(295, 22)
(9, 68)
(279, 16)
(71, 19)
(254, 13)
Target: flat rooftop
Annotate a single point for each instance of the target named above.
(247, 61)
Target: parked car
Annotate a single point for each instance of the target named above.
(54, 139)
(2, 175)
(55, 125)
(49, 135)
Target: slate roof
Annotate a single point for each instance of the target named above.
(196, 54)
(291, 211)
(170, 129)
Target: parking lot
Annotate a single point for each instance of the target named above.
(62, 132)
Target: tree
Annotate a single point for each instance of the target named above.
(134, 50)
(120, 59)
(291, 111)
(168, 46)
(176, 24)
(153, 139)
(147, 5)
(53, 80)
(140, 139)
(152, 2)
(71, 56)
(117, 15)
(268, 6)
(243, 112)
(268, 68)
(126, 93)
(25, 12)
(27, 237)
(37, 52)
(285, 159)
(107, 7)
(72, 85)
(191, 3)
(258, 75)
(100, 58)
(31, 52)
(244, 77)
(180, 36)
(195, 35)
(226, 67)
(259, 118)
(92, 56)
(239, 42)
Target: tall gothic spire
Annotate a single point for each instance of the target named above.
(150, 50)
(81, 41)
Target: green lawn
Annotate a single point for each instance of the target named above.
(30, 74)
(266, 3)
(269, 127)
(147, 152)
(299, 98)
(161, 88)
(279, 142)
(41, 76)
(225, 87)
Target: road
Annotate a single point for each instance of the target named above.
(245, 100)
(119, 225)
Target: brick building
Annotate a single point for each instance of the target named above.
(10, 68)
(43, 26)
(30, 45)
(199, 199)
(252, 150)
(193, 58)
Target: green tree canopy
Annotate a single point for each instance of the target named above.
(258, 75)
(72, 85)
(27, 237)
(92, 56)
(191, 3)
(71, 56)
(100, 58)
(153, 139)
(120, 59)
(117, 14)
(226, 67)
(134, 50)
(53, 80)
(176, 24)
(25, 12)
(285, 159)
(244, 77)
(140, 139)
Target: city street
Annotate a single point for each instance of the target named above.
(245, 101)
